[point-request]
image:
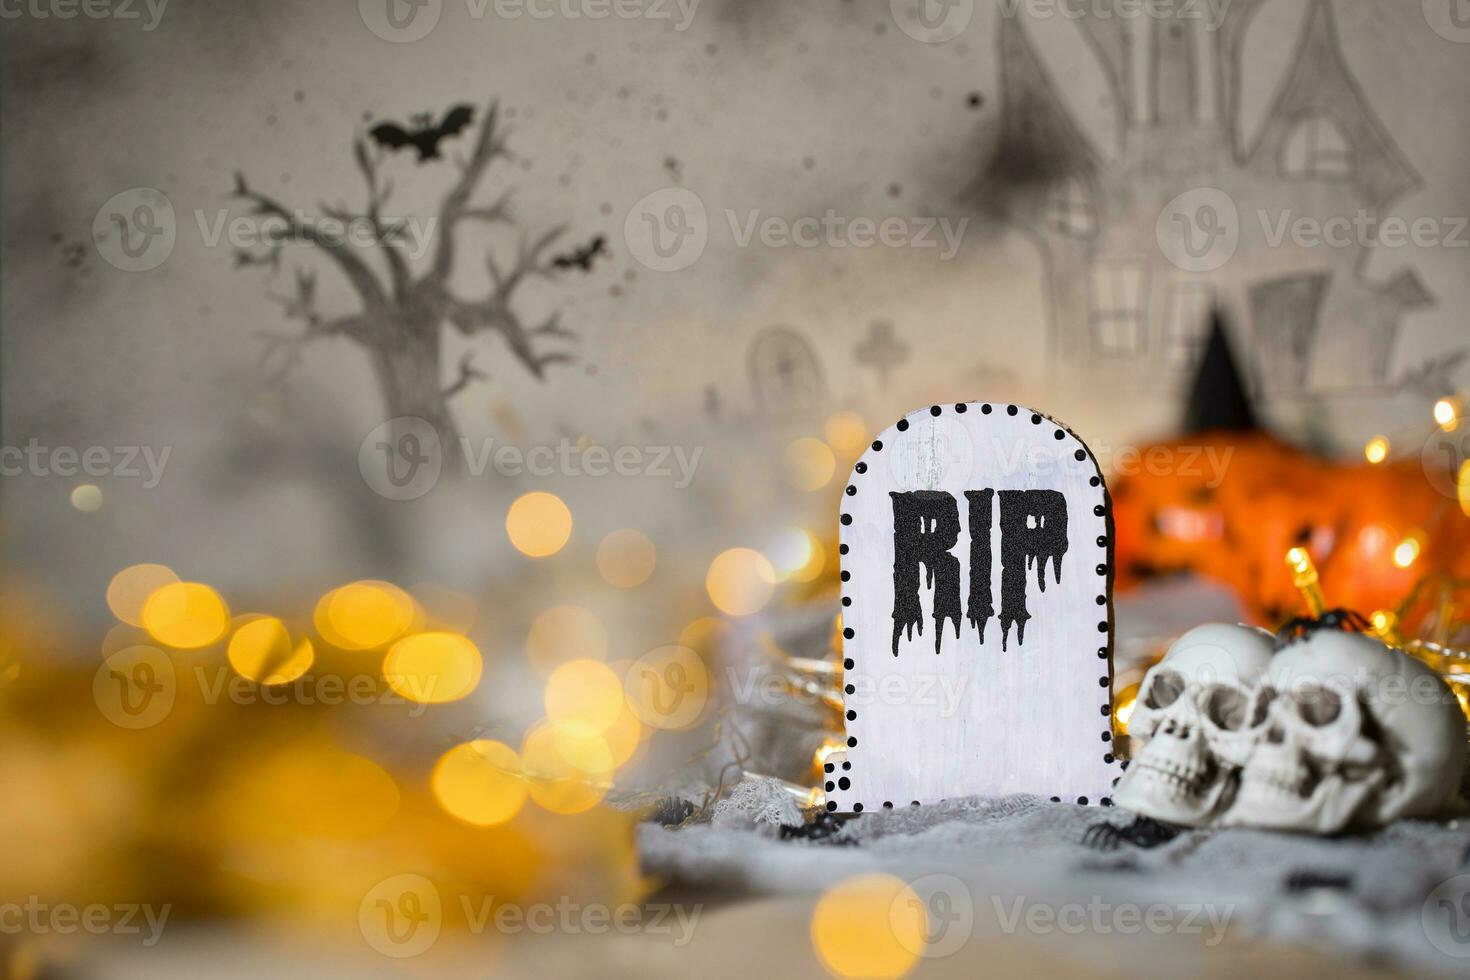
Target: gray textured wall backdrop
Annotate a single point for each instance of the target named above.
(1057, 144)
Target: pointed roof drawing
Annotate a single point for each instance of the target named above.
(1408, 290)
(1320, 85)
(1040, 144)
(1108, 36)
(1238, 17)
(1285, 321)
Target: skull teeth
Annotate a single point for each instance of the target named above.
(1279, 782)
(1175, 778)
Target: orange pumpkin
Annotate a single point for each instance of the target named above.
(1229, 505)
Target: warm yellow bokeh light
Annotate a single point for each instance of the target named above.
(365, 615)
(87, 498)
(131, 587)
(808, 464)
(262, 651)
(626, 558)
(872, 925)
(1406, 552)
(539, 524)
(186, 615)
(599, 755)
(1463, 487)
(847, 434)
(623, 736)
(740, 581)
(1373, 539)
(1123, 706)
(480, 782)
(814, 565)
(796, 555)
(1376, 451)
(825, 751)
(705, 633)
(432, 668)
(668, 688)
(1447, 412)
(121, 637)
(1383, 622)
(588, 754)
(304, 791)
(555, 784)
(584, 697)
(564, 633)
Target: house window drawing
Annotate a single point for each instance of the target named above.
(1090, 204)
(1284, 316)
(1119, 309)
(1317, 147)
(1187, 312)
(1070, 210)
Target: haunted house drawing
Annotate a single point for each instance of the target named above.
(1310, 319)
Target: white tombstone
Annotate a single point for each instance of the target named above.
(976, 545)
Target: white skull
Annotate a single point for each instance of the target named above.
(1349, 732)
(1188, 726)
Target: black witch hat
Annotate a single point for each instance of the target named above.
(1218, 399)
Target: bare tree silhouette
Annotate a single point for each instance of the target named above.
(401, 321)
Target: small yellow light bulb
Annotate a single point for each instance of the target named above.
(1406, 552)
(1304, 577)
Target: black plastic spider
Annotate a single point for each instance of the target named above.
(1312, 879)
(671, 811)
(1144, 832)
(1302, 627)
(822, 827)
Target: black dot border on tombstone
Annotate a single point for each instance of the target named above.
(1104, 571)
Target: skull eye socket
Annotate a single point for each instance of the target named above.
(1165, 689)
(1318, 706)
(1227, 707)
(1264, 697)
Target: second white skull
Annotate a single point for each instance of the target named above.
(1349, 733)
(1189, 725)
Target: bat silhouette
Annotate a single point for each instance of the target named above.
(423, 135)
(581, 258)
